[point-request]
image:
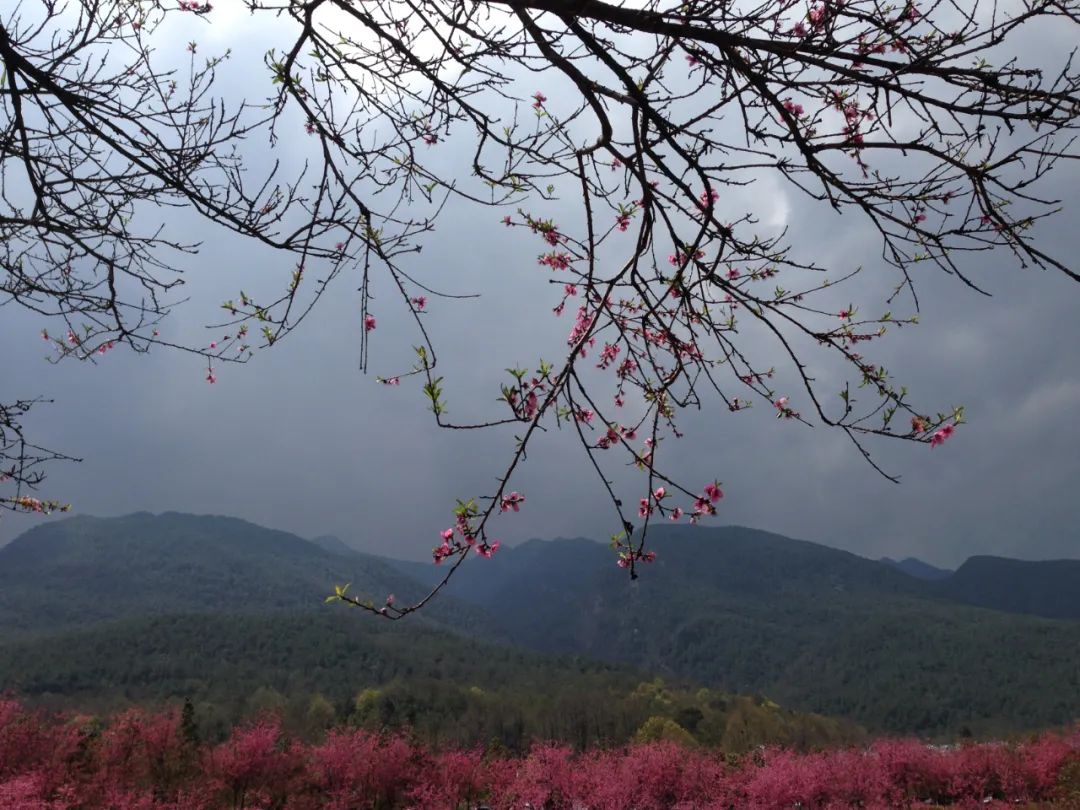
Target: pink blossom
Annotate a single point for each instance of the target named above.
(540, 98)
(713, 492)
(676, 513)
(512, 501)
(556, 260)
(419, 301)
(941, 435)
(369, 323)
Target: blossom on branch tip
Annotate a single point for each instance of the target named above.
(713, 492)
(941, 435)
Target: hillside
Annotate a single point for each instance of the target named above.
(75, 572)
(816, 628)
(742, 611)
(323, 669)
(1048, 588)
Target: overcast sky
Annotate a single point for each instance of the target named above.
(300, 440)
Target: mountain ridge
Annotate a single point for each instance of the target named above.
(738, 609)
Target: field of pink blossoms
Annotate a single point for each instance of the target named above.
(140, 761)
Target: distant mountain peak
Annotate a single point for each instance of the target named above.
(918, 569)
(333, 544)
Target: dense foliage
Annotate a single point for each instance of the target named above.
(320, 670)
(140, 761)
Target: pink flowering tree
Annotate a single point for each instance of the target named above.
(614, 141)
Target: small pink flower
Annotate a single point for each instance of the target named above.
(419, 301)
(487, 549)
(210, 378)
(540, 98)
(390, 599)
(676, 513)
(447, 534)
(512, 501)
(713, 492)
(369, 323)
(941, 435)
(659, 493)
